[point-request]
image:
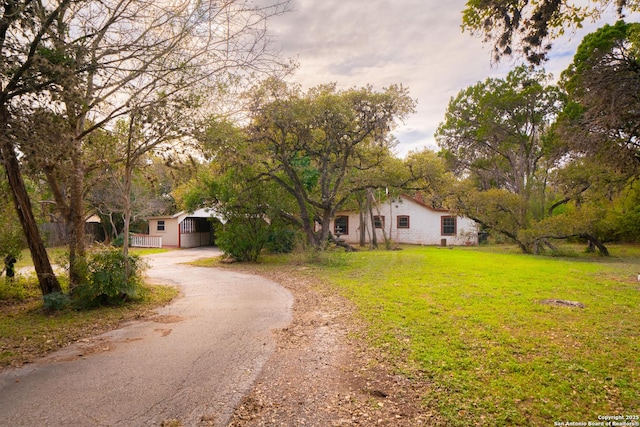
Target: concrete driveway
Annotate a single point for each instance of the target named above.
(193, 362)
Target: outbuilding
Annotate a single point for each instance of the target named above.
(184, 229)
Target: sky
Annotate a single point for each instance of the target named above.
(416, 43)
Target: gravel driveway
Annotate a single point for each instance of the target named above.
(192, 362)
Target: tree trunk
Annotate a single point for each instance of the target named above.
(76, 220)
(371, 201)
(595, 241)
(363, 222)
(46, 277)
(341, 243)
(325, 229)
(128, 177)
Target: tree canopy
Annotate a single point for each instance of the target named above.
(498, 134)
(318, 146)
(528, 27)
(70, 68)
(312, 143)
(603, 82)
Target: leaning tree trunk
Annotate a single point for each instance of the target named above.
(595, 241)
(46, 277)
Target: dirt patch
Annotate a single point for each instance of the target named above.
(562, 303)
(324, 374)
(166, 319)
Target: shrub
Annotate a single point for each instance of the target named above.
(118, 242)
(282, 239)
(243, 238)
(56, 301)
(18, 288)
(107, 283)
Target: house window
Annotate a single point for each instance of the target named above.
(341, 225)
(448, 225)
(160, 226)
(403, 221)
(378, 221)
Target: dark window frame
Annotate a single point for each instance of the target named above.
(378, 221)
(400, 219)
(344, 229)
(447, 229)
(161, 226)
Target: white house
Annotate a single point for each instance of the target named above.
(184, 230)
(408, 220)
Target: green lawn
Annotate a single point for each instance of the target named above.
(471, 320)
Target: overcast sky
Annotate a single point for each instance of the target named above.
(416, 43)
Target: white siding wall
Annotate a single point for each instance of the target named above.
(194, 240)
(170, 233)
(425, 225)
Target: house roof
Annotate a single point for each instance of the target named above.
(418, 201)
(200, 213)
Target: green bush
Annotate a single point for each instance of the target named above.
(107, 283)
(243, 238)
(18, 288)
(56, 301)
(118, 242)
(282, 239)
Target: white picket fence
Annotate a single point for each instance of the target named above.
(145, 241)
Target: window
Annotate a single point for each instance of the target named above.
(378, 221)
(341, 225)
(160, 226)
(448, 225)
(403, 221)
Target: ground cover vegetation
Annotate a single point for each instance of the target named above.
(484, 327)
(30, 329)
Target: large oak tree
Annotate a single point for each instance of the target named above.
(318, 145)
(494, 133)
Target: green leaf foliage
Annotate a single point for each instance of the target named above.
(602, 84)
(107, 283)
(527, 28)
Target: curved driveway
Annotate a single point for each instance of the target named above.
(193, 362)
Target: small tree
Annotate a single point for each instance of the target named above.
(249, 205)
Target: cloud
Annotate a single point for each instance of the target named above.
(416, 43)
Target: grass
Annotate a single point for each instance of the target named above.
(471, 319)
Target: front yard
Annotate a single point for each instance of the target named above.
(478, 324)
